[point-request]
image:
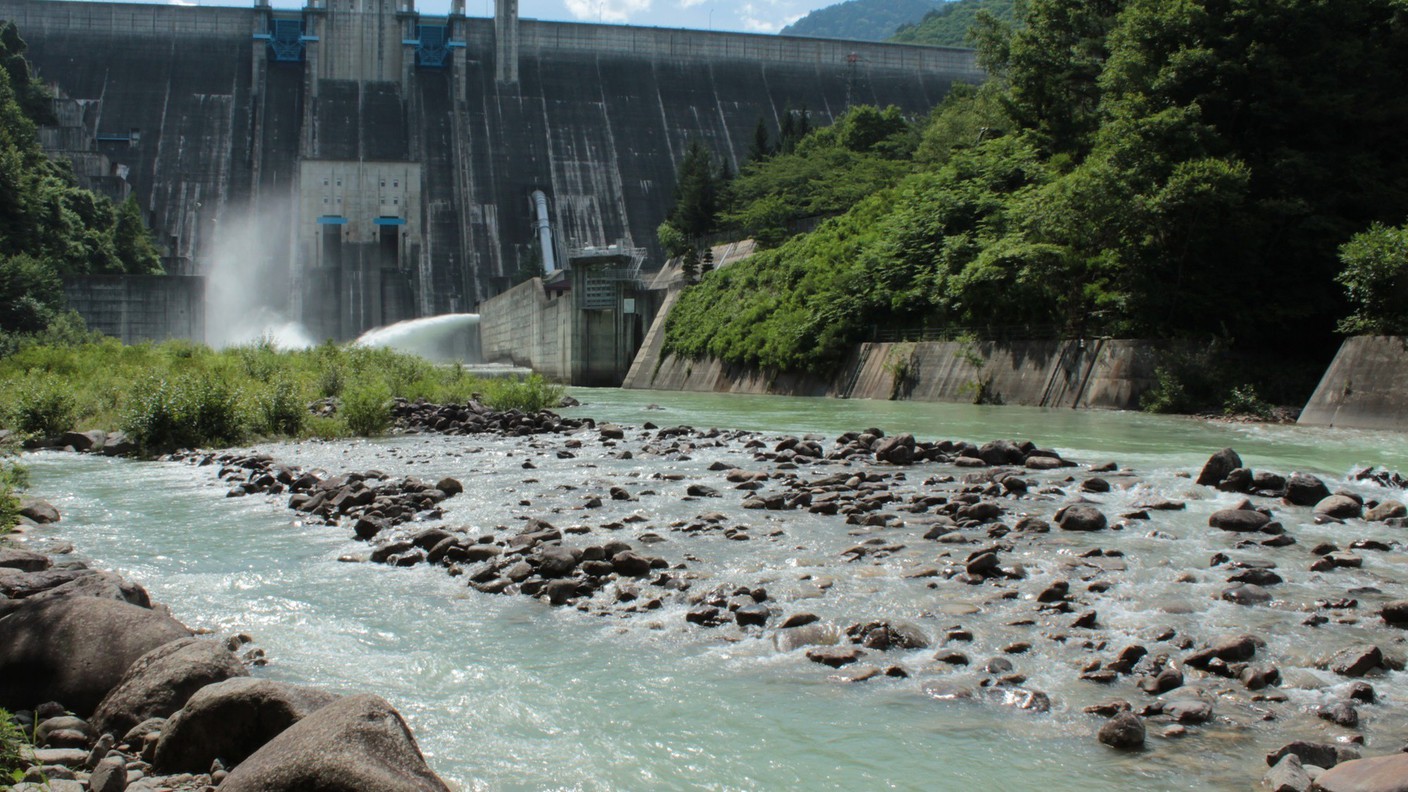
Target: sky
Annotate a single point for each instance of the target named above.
(749, 16)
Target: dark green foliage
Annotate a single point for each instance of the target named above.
(861, 20)
(184, 412)
(43, 408)
(1136, 168)
(826, 172)
(31, 292)
(761, 147)
(367, 409)
(699, 188)
(952, 24)
(1375, 277)
(49, 227)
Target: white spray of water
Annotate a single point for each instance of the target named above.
(445, 337)
(249, 281)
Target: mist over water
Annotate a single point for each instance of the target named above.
(440, 338)
(249, 282)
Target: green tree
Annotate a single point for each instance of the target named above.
(133, 241)
(1375, 279)
(761, 147)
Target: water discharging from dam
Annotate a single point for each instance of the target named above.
(440, 338)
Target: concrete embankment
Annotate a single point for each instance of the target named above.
(1366, 387)
(1094, 373)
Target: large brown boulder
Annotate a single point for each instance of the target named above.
(162, 680)
(1375, 774)
(232, 719)
(75, 649)
(101, 584)
(358, 744)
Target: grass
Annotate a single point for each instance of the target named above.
(178, 394)
(12, 742)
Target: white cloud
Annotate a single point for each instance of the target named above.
(607, 10)
(767, 17)
(691, 3)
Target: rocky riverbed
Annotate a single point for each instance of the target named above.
(1230, 607)
(112, 693)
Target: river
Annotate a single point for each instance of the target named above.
(508, 693)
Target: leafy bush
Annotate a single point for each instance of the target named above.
(187, 412)
(280, 410)
(14, 479)
(1375, 278)
(528, 395)
(367, 409)
(44, 408)
(1243, 400)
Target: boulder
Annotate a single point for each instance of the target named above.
(1288, 775)
(75, 649)
(100, 584)
(109, 776)
(161, 681)
(897, 450)
(1124, 731)
(1238, 520)
(23, 560)
(1375, 774)
(1080, 517)
(358, 744)
(1303, 489)
(1340, 507)
(83, 441)
(40, 511)
(232, 719)
(1002, 452)
(1356, 661)
(1386, 510)
(1395, 613)
(1218, 466)
(1323, 755)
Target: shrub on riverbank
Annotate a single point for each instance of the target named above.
(178, 394)
(13, 480)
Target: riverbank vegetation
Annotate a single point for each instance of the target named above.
(182, 395)
(49, 226)
(1132, 169)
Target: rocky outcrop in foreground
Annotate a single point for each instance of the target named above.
(118, 695)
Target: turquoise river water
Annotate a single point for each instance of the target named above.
(508, 693)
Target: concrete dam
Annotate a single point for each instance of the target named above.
(382, 163)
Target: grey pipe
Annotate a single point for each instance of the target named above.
(540, 204)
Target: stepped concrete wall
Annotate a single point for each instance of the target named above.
(1093, 373)
(1366, 386)
(136, 308)
(528, 327)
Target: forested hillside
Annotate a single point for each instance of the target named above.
(861, 20)
(49, 227)
(949, 24)
(1134, 168)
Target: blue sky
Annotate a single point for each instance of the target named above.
(752, 16)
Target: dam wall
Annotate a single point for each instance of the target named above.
(137, 308)
(224, 116)
(1365, 387)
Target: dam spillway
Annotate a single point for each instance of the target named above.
(387, 158)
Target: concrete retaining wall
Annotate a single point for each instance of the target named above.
(1096, 373)
(136, 308)
(1366, 386)
(526, 327)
